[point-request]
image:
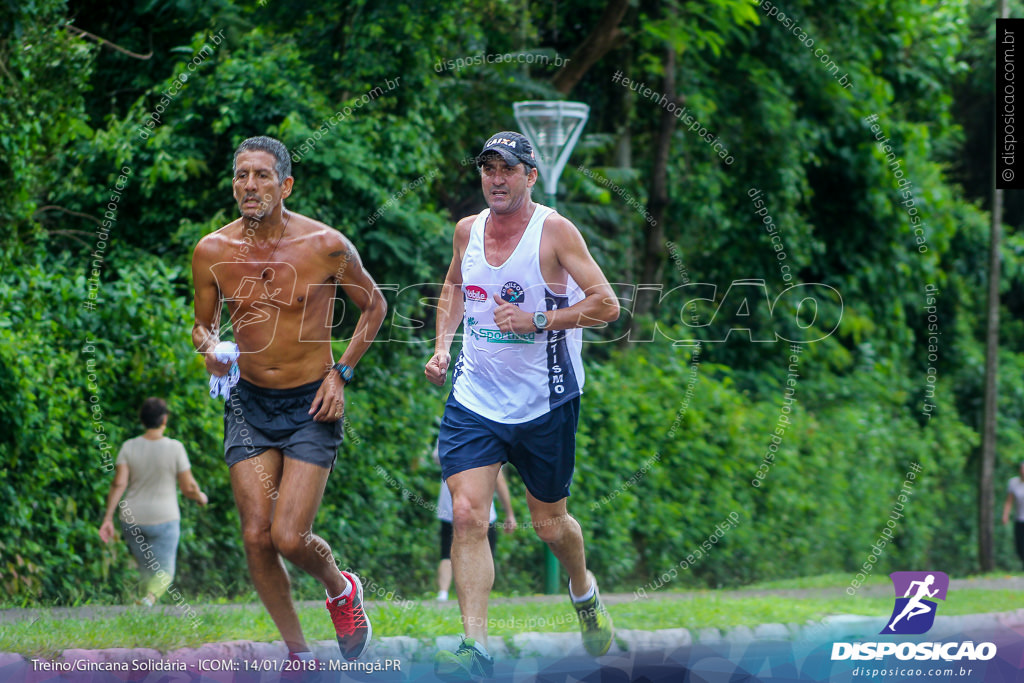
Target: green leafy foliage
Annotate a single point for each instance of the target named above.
(383, 134)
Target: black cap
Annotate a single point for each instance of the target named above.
(511, 146)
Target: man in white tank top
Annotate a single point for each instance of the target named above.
(522, 283)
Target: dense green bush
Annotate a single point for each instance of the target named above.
(72, 380)
(665, 454)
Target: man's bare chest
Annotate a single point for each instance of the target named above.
(277, 284)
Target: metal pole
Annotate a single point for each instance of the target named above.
(551, 582)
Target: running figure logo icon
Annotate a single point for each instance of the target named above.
(914, 613)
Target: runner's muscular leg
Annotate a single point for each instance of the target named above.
(254, 482)
(472, 492)
(560, 530)
(301, 490)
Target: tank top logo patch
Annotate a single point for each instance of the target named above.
(512, 292)
(495, 336)
(474, 293)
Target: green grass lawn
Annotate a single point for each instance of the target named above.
(47, 636)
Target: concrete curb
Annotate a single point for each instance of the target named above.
(525, 645)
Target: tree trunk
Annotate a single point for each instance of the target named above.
(986, 491)
(986, 494)
(653, 252)
(624, 157)
(605, 37)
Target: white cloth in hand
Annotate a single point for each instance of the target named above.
(225, 352)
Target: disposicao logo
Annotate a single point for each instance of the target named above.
(913, 614)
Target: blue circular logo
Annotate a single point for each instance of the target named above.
(512, 292)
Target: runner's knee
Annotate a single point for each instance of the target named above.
(288, 542)
(550, 529)
(256, 537)
(469, 521)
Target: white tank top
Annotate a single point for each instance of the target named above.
(504, 376)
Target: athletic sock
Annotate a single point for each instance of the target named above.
(305, 656)
(442, 595)
(589, 594)
(479, 647)
(348, 589)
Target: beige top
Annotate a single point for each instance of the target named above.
(153, 467)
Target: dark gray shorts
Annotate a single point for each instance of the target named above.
(257, 419)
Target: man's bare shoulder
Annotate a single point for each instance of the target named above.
(215, 243)
(559, 226)
(319, 236)
(463, 229)
(562, 235)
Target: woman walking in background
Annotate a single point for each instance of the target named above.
(1015, 495)
(148, 467)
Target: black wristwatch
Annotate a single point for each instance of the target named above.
(344, 371)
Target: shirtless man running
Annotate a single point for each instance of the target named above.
(283, 422)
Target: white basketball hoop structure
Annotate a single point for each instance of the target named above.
(553, 128)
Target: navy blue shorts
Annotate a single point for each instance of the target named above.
(543, 450)
(257, 419)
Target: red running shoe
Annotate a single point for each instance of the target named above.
(350, 621)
